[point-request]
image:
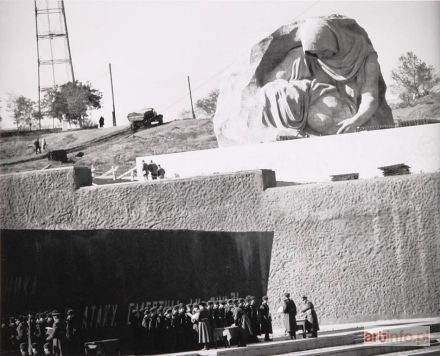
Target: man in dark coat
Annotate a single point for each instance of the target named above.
(289, 311)
(136, 329)
(57, 334)
(242, 321)
(255, 319)
(265, 319)
(229, 313)
(152, 167)
(161, 172)
(72, 336)
(312, 324)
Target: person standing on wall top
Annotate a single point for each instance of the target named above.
(289, 310)
(145, 170)
(101, 121)
(161, 172)
(312, 325)
(152, 167)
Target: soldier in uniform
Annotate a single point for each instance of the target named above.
(57, 334)
(255, 319)
(240, 321)
(136, 330)
(72, 337)
(289, 311)
(169, 333)
(218, 314)
(312, 325)
(229, 313)
(265, 319)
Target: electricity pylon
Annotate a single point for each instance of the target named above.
(53, 48)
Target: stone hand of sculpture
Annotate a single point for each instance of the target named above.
(347, 126)
(369, 98)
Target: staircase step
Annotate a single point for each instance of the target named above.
(432, 350)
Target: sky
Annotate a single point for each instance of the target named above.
(154, 45)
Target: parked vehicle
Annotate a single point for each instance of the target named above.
(144, 118)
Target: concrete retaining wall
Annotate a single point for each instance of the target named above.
(315, 159)
(361, 250)
(366, 249)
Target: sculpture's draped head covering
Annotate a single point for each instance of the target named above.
(350, 46)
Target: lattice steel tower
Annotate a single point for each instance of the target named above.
(53, 48)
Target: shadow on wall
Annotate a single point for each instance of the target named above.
(46, 269)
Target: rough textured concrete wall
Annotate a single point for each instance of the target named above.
(48, 199)
(361, 250)
(221, 203)
(40, 199)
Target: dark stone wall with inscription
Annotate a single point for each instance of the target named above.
(105, 273)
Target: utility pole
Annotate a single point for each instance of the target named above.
(190, 98)
(113, 95)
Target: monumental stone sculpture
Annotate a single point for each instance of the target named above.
(318, 76)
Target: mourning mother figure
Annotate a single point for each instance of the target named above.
(318, 76)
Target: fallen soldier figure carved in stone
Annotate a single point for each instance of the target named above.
(319, 76)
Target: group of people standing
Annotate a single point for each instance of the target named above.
(47, 333)
(289, 316)
(160, 329)
(189, 327)
(152, 169)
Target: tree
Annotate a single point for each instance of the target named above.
(208, 104)
(71, 101)
(23, 111)
(413, 77)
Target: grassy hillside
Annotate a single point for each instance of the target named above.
(426, 108)
(107, 147)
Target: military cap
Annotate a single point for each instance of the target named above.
(304, 297)
(230, 301)
(287, 295)
(223, 302)
(202, 304)
(34, 345)
(265, 297)
(211, 302)
(241, 300)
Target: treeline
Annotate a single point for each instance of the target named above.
(68, 102)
